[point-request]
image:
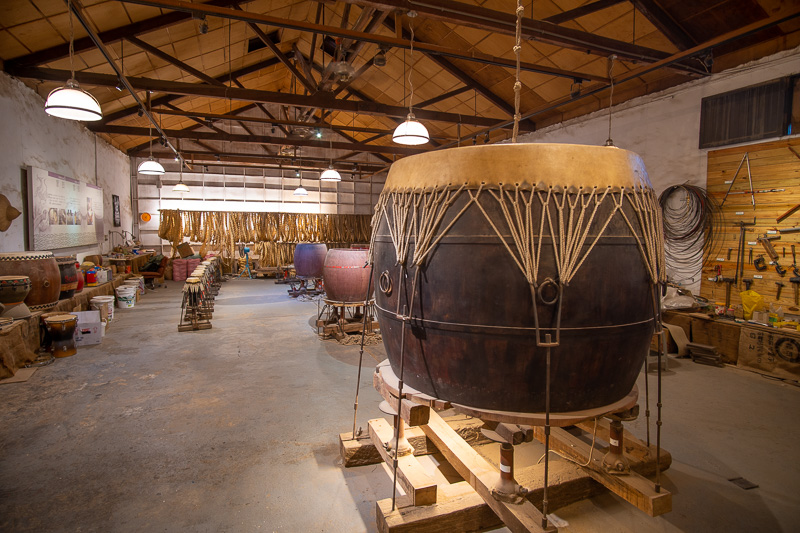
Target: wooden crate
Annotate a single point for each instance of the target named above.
(722, 334)
(774, 352)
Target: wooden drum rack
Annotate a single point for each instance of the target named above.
(601, 456)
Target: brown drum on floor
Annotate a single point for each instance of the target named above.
(346, 274)
(309, 259)
(61, 331)
(45, 277)
(492, 250)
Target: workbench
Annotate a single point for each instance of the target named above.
(133, 261)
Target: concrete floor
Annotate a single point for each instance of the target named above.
(235, 429)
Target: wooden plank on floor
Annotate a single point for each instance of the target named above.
(633, 488)
(642, 459)
(416, 482)
(361, 451)
(481, 476)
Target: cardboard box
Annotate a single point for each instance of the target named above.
(775, 352)
(185, 250)
(88, 330)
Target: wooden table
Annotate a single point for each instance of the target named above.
(134, 261)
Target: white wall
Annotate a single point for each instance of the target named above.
(664, 127)
(30, 137)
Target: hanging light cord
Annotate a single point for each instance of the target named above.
(71, 41)
(411, 66)
(611, 59)
(517, 83)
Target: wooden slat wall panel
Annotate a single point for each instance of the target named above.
(773, 166)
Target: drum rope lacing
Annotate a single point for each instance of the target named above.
(419, 214)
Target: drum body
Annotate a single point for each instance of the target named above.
(43, 271)
(346, 274)
(309, 258)
(484, 297)
(69, 277)
(61, 330)
(13, 291)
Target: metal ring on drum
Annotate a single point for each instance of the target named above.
(495, 247)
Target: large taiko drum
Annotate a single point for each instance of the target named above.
(494, 250)
(346, 274)
(45, 277)
(61, 330)
(309, 259)
(69, 276)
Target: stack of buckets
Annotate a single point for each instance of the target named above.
(97, 304)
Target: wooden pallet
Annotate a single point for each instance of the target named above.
(430, 505)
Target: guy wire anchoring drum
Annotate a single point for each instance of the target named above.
(45, 277)
(492, 250)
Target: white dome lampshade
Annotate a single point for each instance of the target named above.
(73, 103)
(330, 174)
(411, 132)
(180, 187)
(151, 167)
(300, 191)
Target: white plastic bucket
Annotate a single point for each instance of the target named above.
(126, 297)
(98, 301)
(140, 281)
(134, 286)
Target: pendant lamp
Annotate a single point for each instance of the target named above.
(70, 101)
(151, 166)
(300, 191)
(331, 174)
(180, 186)
(411, 132)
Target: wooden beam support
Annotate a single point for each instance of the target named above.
(259, 139)
(150, 49)
(417, 484)
(665, 23)
(395, 42)
(61, 51)
(212, 155)
(482, 476)
(479, 17)
(633, 488)
(582, 11)
(320, 100)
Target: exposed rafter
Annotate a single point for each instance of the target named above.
(664, 23)
(396, 42)
(259, 139)
(582, 11)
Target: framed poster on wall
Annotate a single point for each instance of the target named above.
(115, 205)
(62, 212)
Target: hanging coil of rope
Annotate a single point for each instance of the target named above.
(692, 230)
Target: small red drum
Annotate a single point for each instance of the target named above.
(346, 274)
(61, 330)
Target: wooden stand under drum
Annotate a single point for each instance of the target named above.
(337, 319)
(61, 330)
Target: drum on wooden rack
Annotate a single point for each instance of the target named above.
(43, 271)
(498, 253)
(309, 259)
(345, 274)
(13, 290)
(61, 331)
(69, 276)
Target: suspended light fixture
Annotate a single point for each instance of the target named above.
(70, 101)
(330, 173)
(411, 132)
(180, 186)
(300, 191)
(150, 166)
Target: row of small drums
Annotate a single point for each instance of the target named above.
(39, 279)
(344, 271)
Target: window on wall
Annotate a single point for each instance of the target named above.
(749, 114)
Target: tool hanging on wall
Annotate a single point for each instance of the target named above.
(796, 283)
(740, 250)
(760, 263)
(788, 213)
(748, 282)
(745, 159)
(780, 285)
(794, 263)
(773, 255)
